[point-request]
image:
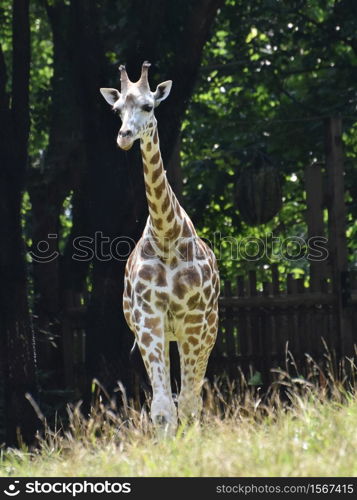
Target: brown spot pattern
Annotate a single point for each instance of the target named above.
(183, 279)
(162, 296)
(137, 315)
(160, 188)
(148, 189)
(170, 215)
(146, 273)
(211, 318)
(157, 223)
(156, 174)
(186, 230)
(147, 249)
(166, 203)
(191, 303)
(194, 318)
(160, 305)
(173, 262)
(206, 272)
(155, 158)
(139, 287)
(194, 330)
(146, 339)
(173, 232)
(153, 358)
(147, 308)
(175, 307)
(153, 206)
(186, 251)
(207, 292)
(161, 276)
(152, 323)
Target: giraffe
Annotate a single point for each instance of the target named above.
(171, 283)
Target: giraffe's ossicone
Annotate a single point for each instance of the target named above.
(171, 278)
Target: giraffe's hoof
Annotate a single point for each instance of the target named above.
(161, 421)
(164, 428)
(188, 420)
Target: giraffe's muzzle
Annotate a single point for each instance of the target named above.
(125, 139)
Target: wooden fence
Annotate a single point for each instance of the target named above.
(257, 326)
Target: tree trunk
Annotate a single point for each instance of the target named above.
(16, 334)
(60, 174)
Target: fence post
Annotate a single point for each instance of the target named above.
(254, 332)
(293, 333)
(268, 335)
(67, 342)
(229, 322)
(337, 230)
(244, 339)
(315, 220)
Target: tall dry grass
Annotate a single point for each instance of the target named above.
(303, 424)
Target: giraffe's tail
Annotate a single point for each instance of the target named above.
(133, 348)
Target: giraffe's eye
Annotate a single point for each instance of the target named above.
(147, 108)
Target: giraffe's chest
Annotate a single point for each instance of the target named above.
(177, 281)
(157, 287)
(171, 287)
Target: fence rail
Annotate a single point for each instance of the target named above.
(257, 325)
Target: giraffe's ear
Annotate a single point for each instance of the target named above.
(162, 91)
(110, 95)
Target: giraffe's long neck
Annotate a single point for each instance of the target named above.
(168, 220)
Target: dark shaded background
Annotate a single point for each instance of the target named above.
(283, 67)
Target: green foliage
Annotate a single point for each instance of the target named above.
(66, 221)
(271, 73)
(26, 218)
(6, 36)
(40, 82)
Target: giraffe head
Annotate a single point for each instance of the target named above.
(135, 104)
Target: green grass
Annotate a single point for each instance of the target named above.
(312, 435)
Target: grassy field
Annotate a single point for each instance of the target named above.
(311, 432)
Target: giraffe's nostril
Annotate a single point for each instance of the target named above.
(125, 133)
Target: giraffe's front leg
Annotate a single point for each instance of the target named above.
(195, 347)
(154, 348)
